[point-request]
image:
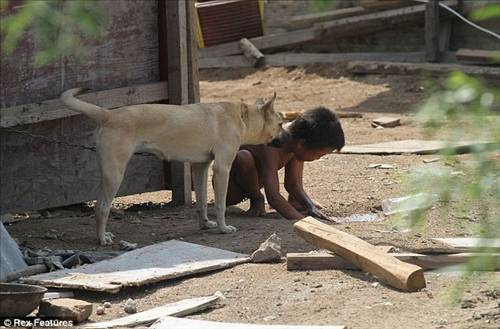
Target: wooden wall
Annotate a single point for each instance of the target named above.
(36, 173)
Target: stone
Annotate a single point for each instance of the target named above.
(107, 305)
(130, 306)
(269, 251)
(100, 310)
(125, 245)
(68, 308)
(387, 122)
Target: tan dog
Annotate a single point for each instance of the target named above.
(195, 133)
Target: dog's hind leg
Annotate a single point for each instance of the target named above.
(222, 167)
(112, 164)
(200, 176)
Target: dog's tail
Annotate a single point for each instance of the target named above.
(96, 113)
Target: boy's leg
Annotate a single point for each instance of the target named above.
(244, 183)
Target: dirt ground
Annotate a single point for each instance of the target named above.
(268, 293)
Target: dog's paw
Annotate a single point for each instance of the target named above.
(106, 239)
(208, 224)
(227, 229)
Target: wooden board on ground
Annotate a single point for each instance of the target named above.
(400, 275)
(328, 261)
(478, 56)
(471, 244)
(159, 262)
(178, 323)
(292, 115)
(180, 308)
(286, 59)
(387, 67)
(413, 146)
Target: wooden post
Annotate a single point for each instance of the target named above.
(406, 277)
(432, 31)
(193, 54)
(174, 67)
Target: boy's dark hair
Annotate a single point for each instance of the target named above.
(319, 127)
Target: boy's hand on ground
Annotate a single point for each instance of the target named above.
(315, 212)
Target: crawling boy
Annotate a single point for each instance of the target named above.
(310, 136)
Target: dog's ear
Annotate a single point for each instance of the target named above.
(269, 105)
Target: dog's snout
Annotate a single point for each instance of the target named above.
(280, 140)
(275, 142)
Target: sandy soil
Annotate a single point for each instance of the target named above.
(268, 293)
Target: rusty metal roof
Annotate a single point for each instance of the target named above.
(224, 21)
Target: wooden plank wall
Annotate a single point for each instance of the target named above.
(38, 174)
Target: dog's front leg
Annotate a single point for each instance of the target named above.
(200, 176)
(222, 168)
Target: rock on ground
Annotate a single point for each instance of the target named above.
(269, 251)
(68, 308)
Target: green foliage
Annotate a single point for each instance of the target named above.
(58, 26)
(316, 6)
(487, 12)
(464, 111)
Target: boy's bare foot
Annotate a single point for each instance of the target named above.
(257, 208)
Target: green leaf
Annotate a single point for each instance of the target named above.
(486, 12)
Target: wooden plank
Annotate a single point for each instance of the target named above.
(53, 109)
(478, 56)
(432, 31)
(263, 43)
(327, 261)
(471, 244)
(180, 308)
(127, 56)
(403, 276)
(178, 88)
(366, 23)
(322, 260)
(142, 266)
(384, 67)
(413, 146)
(307, 20)
(179, 323)
(295, 59)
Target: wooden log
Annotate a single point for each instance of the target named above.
(112, 98)
(327, 261)
(28, 271)
(478, 56)
(406, 277)
(376, 67)
(252, 53)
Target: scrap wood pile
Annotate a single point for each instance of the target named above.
(368, 18)
(401, 270)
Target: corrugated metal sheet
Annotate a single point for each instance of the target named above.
(224, 21)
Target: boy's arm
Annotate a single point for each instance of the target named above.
(269, 174)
